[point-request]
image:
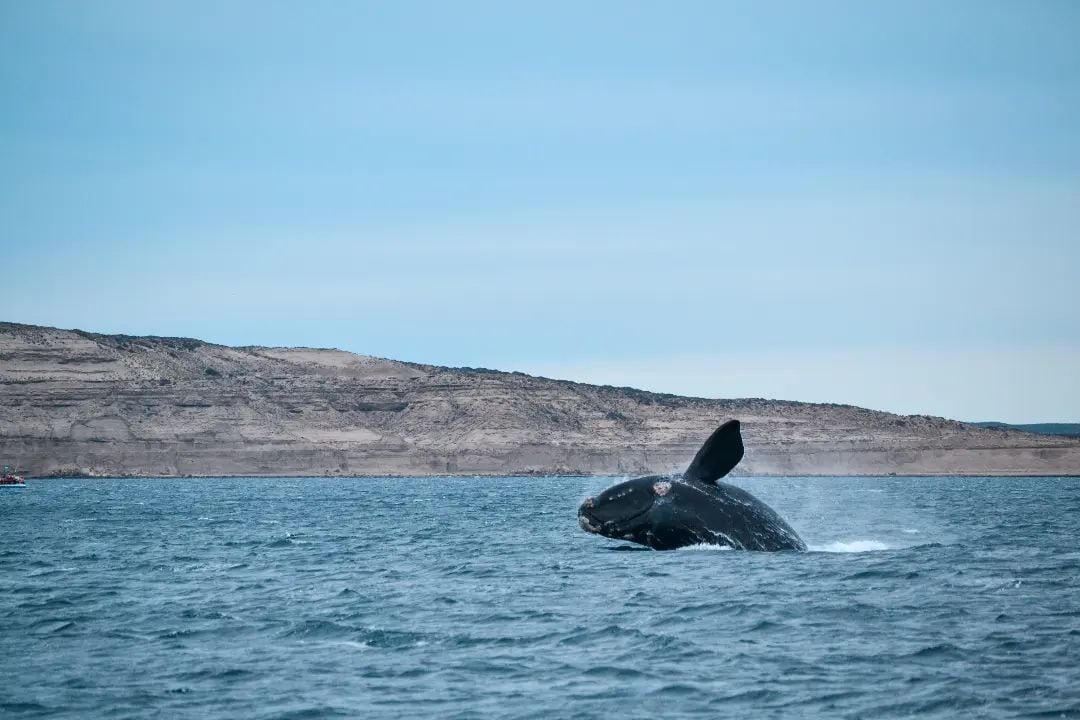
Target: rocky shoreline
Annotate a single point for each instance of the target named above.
(80, 403)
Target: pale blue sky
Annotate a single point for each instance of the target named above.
(871, 203)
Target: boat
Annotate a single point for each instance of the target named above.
(11, 479)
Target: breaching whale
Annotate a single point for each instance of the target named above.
(671, 511)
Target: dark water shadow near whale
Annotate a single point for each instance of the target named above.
(629, 548)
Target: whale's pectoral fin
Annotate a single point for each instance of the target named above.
(720, 453)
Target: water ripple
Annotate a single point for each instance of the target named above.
(480, 598)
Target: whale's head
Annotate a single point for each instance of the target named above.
(623, 511)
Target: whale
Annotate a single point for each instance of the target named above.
(666, 512)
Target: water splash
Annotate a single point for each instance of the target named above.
(851, 546)
(704, 547)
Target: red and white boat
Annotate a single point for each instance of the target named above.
(10, 479)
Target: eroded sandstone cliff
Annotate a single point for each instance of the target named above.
(78, 402)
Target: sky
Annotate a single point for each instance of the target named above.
(874, 203)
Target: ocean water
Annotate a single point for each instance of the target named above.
(481, 598)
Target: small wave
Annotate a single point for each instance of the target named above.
(24, 707)
(850, 546)
(933, 651)
(349, 644)
(617, 672)
(215, 674)
(317, 629)
(62, 627)
(677, 690)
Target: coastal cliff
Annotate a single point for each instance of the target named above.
(75, 402)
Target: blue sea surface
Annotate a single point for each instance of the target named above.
(481, 598)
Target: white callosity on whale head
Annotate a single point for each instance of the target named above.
(587, 525)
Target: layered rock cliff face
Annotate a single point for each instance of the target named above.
(78, 402)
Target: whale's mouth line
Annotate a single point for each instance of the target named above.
(593, 525)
